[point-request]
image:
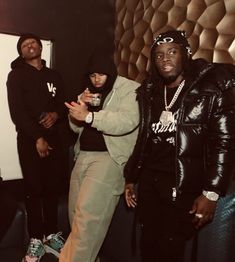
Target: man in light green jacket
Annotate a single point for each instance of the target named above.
(107, 135)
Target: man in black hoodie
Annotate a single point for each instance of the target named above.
(36, 97)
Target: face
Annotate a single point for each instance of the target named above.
(168, 60)
(30, 49)
(98, 79)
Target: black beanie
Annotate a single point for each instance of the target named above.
(173, 36)
(102, 62)
(23, 38)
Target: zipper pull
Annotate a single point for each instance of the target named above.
(174, 193)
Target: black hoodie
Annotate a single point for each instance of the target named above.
(91, 139)
(31, 93)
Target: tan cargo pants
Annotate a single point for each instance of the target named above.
(95, 187)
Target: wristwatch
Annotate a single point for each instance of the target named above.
(210, 195)
(89, 118)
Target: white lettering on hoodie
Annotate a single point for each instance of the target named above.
(51, 89)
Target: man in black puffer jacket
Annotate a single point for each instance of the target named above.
(184, 155)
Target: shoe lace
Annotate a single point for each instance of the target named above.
(35, 246)
(57, 238)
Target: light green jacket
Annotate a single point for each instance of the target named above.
(118, 120)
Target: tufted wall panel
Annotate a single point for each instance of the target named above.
(209, 24)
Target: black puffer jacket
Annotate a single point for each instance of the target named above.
(205, 136)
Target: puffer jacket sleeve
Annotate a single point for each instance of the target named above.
(221, 133)
(134, 164)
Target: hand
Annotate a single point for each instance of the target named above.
(203, 210)
(130, 195)
(43, 147)
(49, 119)
(86, 96)
(77, 110)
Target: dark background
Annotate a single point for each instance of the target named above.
(77, 27)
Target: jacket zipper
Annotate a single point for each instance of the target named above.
(174, 193)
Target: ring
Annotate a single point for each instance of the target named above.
(199, 215)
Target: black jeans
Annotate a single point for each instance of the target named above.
(45, 180)
(166, 224)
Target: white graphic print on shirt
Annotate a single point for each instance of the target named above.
(51, 89)
(158, 128)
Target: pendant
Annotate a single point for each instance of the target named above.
(166, 118)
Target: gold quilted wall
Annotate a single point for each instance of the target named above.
(209, 24)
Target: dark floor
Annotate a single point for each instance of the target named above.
(52, 258)
(49, 258)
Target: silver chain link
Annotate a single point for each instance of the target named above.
(173, 100)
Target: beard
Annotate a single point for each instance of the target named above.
(169, 79)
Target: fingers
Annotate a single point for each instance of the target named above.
(47, 123)
(87, 95)
(68, 105)
(200, 219)
(77, 111)
(203, 211)
(49, 119)
(43, 153)
(43, 148)
(192, 211)
(131, 201)
(130, 198)
(87, 92)
(73, 105)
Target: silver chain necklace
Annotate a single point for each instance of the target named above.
(166, 117)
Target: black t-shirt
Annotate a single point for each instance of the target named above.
(160, 155)
(91, 139)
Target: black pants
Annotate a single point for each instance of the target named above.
(45, 179)
(166, 225)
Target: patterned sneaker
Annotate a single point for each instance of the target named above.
(54, 244)
(35, 251)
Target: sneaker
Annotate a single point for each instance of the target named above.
(35, 251)
(54, 244)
